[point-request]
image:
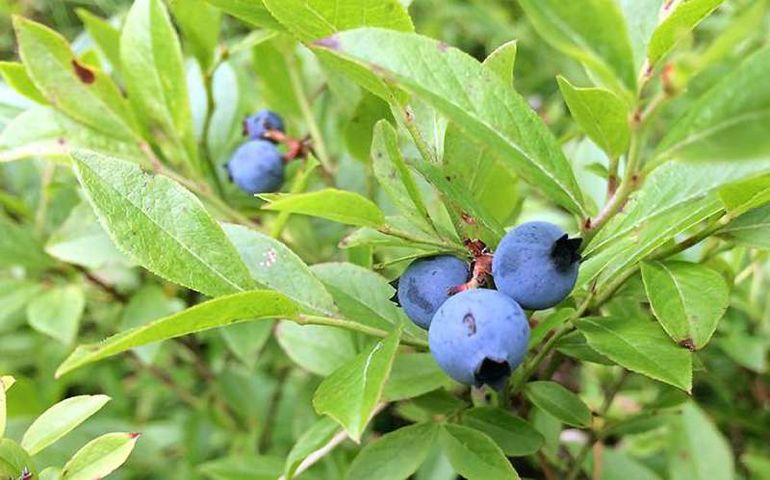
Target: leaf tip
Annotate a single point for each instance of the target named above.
(331, 42)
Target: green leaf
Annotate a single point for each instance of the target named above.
(593, 32)
(59, 420)
(225, 127)
(14, 460)
(105, 36)
(200, 24)
(512, 434)
(314, 438)
(82, 92)
(395, 456)
(559, 402)
(359, 129)
(318, 349)
(642, 19)
(549, 323)
(751, 229)
(362, 295)
(20, 246)
(688, 300)
(16, 76)
(574, 345)
(678, 24)
(414, 374)
(3, 412)
(728, 121)
(394, 176)
(501, 61)
(697, 450)
(253, 305)
(640, 345)
(311, 20)
(81, 240)
(148, 303)
(337, 205)
(14, 295)
(160, 225)
(350, 394)
(246, 340)
(50, 473)
(249, 11)
(277, 267)
(740, 197)
(153, 71)
(57, 313)
(601, 114)
(474, 455)
(482, 105)
(100, 457)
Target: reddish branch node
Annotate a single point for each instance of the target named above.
(481, 266)
(295, 148)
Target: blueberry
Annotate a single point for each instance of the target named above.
(256, 167)
(255, 126)
(536, 264)
(425, 285)
(479, 336)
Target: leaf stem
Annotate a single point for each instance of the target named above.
(304, 319)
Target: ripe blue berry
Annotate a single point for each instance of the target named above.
(425, 285)
(255, 126)
(479, 336)
(256, 167)
(536, 264)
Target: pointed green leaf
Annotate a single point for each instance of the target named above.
(337, 205)
(153, 70)
(277, 267)
(160, 225)
(501, 61)
(59, 420)
(16, 76)
(314, 438)
(740, 197)
(105, 36)
(559, 402)
(200, 24)
(100, 457)
(601, 114)
(677, 25)
(688, 300)
(249, 11)
(482, 105)
(474, 455)
(591, 31)
(751, 229)
(253, 305)
(82, 92)
(57, 313)
(640, 345)
(395, 456)
(414, 374)
(513, 435)
(351, 393)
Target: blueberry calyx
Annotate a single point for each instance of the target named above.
(566, 252)
(492, 372)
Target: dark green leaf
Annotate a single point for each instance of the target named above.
(317, 349)
(313, 439)
(559, 402)
(414, 374)
(57, 312)
(474, 455)
(512, 434)
(697, 450)
(396, 455)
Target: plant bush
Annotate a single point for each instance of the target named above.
(152, 283)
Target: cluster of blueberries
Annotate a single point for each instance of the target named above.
(257, 165)
(479, 335)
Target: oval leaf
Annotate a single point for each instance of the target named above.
(474, 455)
(559, 402)
(639, 345)
(412, 445)
(162, 226)
(512, 434)
(678, 25)
(57, 312)
(350, 394)
(59, 420)
(337, 205)
(100, 457)
(688, 300)
(253, 305)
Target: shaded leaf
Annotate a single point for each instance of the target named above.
(474, 455)
(412, 375)
(57, 312)
(559, 402)
(697, 450)
(396, 455)
(318, 435)
(513, 435)
(317, 349)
